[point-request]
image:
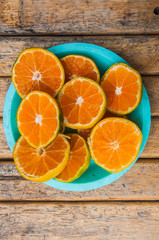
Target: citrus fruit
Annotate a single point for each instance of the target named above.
(80, 66)
(123, 87)
(83, 103)
(86, 132)
(41, 165)
(115, 143)
(37, 69)
(78, 162)
(38, 119)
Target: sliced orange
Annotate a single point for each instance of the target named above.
(38, 119)
(80, 66)
(37, 69)
(41, 165)
(78, 162)
(83, 103)
(86, 132)
(123, 87)
(115, 143)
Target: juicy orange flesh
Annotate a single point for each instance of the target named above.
(124, 82)
(37, 70)
(78, 67)
(89, 108)
(37, 119)
(37, 162)
(115, 144)
(77, 158)
(86, 132)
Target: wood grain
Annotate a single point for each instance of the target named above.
(151, 84)
(151, 150)
(141, 52)
(79, 221)
(139, 183)
(4, 85)
(78, 17)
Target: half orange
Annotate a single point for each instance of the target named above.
(37, 69)
(123, 87)
(83, 103)
(41, 165)
(80, 66)
(78, 162)
(115, 143)
(38, 119)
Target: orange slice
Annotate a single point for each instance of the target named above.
(123, 87)
(86, 132)
(115, 143)
(37, 69)
(38, 119)
(83, 103)
(80, 66)
(41, 165)
(78, 162)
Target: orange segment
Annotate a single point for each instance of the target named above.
(78, 162)
(38, 119)
(83, 103)
(115, 143)
(123, 87)
(80, 66)
(86, 132)
(37, 69)
(41, 165)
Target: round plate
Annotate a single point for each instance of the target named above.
(95, 176)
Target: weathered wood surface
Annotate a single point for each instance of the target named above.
(151, 150)
(4, 85)
(42, 212)
(151, 84)
(84, 221)
(78, 17)
(139, 183)
(141, 52)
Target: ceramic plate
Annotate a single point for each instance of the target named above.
(95, 176)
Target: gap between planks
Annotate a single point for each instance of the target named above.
(78, 202)
(79, 35)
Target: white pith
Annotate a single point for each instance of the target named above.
(38, 119)
(36, 76)
(79, 101)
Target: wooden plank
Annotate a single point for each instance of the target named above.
(139, 183)
(152, 146)
(151, 84)
(152, 87)
(151, 150)
(79, 221)
(78, 17)
(4, 83)
(141, 52)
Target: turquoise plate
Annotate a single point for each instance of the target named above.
(95, 176)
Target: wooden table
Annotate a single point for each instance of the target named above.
(125, 209)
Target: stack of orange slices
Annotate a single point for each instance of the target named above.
(68, 92)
